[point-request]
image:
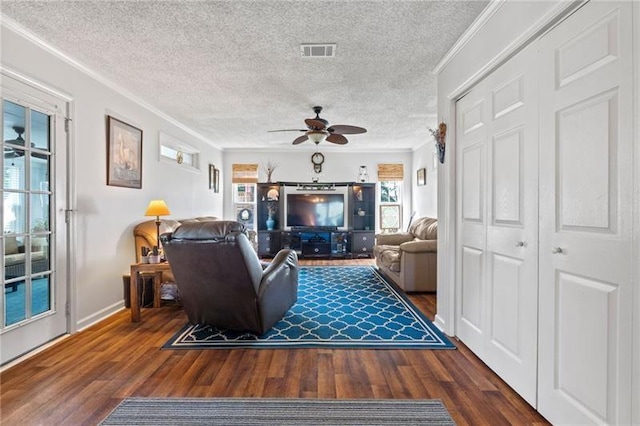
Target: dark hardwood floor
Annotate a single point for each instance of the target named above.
(81, 379)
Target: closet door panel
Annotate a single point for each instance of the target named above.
(507, 180)
(472, 217)
(512, 249)
(586, 235)
(497, 178)
(587, 183)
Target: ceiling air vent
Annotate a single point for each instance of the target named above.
(316, 50)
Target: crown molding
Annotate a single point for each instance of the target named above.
(325, 148)
(12, 25)
(554, 15)
(470, 32)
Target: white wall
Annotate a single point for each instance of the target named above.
(425, 198)
(106, 215)
(505, 28)
(296, 166)
(636, 292)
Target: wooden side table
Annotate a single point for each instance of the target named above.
(138, 269)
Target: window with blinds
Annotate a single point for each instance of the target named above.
(244, 173)
(390, 179)
(178, 152)
(244, 178)
(390, 172)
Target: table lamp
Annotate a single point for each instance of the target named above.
(157, 208)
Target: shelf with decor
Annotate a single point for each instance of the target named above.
(363, 209)
(333, 220)
(268, 216)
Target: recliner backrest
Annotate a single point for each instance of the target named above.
(216, 269)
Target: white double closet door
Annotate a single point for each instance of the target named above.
(544, 218)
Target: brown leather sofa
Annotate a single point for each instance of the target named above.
(409, 259)
(221, 280)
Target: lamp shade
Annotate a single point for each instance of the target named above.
(157, 208)
(317, 136)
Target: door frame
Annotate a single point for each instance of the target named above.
(31, 89)
(635, 379)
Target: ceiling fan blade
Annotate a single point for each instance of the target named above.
(315, 124)
(343, 129)
(287, 130)
(336, 138)
(13, 152)
(300, 139)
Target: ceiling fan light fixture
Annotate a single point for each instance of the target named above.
(317, 136)
(19, 140)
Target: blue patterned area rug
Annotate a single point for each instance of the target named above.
(339, 307)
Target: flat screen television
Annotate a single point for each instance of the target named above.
(315, 209)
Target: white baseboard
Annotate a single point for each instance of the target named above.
(100, 315)
(439, 322)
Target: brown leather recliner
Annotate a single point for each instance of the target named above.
(145, 235)
(221, 280)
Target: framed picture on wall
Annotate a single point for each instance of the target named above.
(124, 154)
(422, 176)
(214, 178)
(390, 217)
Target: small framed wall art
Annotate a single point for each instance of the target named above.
(124, 154)
(214, 178)
(390, 217)
(422, 176)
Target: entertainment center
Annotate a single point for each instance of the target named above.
(334, 220)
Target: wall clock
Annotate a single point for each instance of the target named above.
(317, 159)
(244, 215)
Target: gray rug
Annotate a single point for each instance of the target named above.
(278, 411)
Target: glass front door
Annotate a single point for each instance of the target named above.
(34, 294)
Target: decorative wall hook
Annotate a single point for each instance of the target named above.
(440, 135)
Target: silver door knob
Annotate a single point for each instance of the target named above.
(557, 250)
(519, 243)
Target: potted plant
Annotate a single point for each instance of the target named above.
(268, 168)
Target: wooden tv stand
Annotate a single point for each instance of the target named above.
(356, 241)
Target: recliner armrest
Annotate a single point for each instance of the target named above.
(394, 239)
(420, 246)
(283, 261)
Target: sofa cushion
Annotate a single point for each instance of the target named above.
(393, 239)
(425, 228)
(390, 259)
(420, 246)
(381, 248)
(17, 258)
(10, 245)
(199, 219)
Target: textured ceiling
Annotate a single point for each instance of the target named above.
(232, 70)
